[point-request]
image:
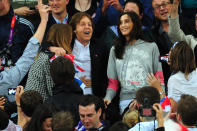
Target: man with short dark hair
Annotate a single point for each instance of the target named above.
(187, 112)
(90, 111)
(26, 104)
(146, 97)
(29, 100)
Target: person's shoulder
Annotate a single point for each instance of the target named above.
(42, 60)
(148, 44)
(26, 23)
(144, 126)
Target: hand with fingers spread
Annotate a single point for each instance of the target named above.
(153, 81)
(19, 92)
(2, 101)
(159, 114)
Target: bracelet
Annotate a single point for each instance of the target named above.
(18, 105)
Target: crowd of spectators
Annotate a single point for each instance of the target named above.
(98, 65)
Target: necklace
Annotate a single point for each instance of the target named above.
(80, 6)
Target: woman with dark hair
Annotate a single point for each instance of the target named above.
(39, 78)
(130, 61)
(41, 119)
(184, 78)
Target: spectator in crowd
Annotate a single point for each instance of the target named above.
(12, 36)
(146, 98)
(182, 63)
(130, 61)
(111, 33)
(90, 111)
(186, 110)
(148, 16)
(175, 32)
(87, 6)
(12, 77)
(66, 92)
(27, 103)
(41, 119)
(90, 54)
(6, 124)
(58, 15)
(62, 121)
(162, 9)
(109, 11)
(39, 77)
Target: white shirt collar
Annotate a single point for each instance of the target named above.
(79, 44)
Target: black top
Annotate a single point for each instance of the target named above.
(22, 32)
(66, 98)
(72, 10)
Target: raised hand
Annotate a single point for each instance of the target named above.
(159, 114)
(2, 101)
(153, 81)
(19, 92)
(116, 4)
(43, 10)
(106, 4)
(174, 9)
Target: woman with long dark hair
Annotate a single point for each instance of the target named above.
(130, 61)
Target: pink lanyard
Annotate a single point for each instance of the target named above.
(11, 30)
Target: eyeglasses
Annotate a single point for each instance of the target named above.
(164, 5)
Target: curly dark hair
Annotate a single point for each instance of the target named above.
(136, 33)
(29, 101)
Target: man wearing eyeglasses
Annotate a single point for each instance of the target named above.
(161, 10)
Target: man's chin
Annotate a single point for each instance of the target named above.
(88, 126)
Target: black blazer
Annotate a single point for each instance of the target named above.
(99, 59)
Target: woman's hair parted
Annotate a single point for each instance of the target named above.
(136, 33)
(60, 35)
(182, 59)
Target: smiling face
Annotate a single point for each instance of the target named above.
(58, 6)
(89, 117)
(126, 26)
(84, 30)
(162, 8)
